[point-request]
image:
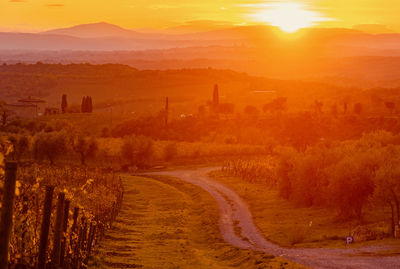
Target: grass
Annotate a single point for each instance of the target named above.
(286, 224)
(167, 223)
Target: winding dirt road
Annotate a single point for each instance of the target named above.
(238, 229)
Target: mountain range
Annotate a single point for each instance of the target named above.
(348, 57)
(108, 37)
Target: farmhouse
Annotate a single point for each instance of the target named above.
(39, 103)
(27, 108)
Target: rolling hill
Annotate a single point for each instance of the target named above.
(105, 36)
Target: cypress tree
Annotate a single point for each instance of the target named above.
(215, 102)
(90, 104)
(4, 118)
(64, 103)
(84, 106)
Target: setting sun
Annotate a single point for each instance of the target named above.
(289, 17)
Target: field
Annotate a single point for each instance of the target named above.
(286, 224)
(166, 223)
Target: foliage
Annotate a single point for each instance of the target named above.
(251, 111)
(343, 175)
(93, 191)
(50, 145)
(170, 151)
(226, 108)
(21, 145)
(387, 184)
(87, 105)
(86, 147)
(137, 150)
(64, 103)
(277, 105)
(215, 101)
(254, 170)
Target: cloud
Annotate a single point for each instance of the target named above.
(55, 5)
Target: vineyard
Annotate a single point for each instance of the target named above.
(253, 170)
(52, 217)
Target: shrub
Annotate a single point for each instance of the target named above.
(170, 151)
(137, 150)
(50, 145)
(86, 147)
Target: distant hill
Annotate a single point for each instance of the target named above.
(130, 90)
(119, 82)
(95, 30)
(40, 42)
(105, 36)
(338, 65)
(347, 57)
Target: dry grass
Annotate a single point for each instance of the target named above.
(286, 224)
(167, 223)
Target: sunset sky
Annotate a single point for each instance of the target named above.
(36, 15)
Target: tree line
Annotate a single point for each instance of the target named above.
(343, 175)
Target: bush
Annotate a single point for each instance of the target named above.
(21, 145)
(86, 147)
(170, 151)
(50, 145)
(137, 150)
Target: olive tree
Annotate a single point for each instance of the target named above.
(137, 150)
(50, 145)
(86, 147)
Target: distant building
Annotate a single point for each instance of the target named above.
(27, 108)
(21, 110)
(39, 103)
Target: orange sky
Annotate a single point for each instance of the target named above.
(35, 15)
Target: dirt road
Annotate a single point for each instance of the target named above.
(165, 222)
(237, 228)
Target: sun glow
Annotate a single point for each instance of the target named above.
(289, 16)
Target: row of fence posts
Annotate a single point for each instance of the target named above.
(83, 234)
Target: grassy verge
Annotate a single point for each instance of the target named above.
(282, 222)
(167, 223)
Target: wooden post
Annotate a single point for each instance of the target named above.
(25, 214)
(65, 226)
(20, 263)
(84, 236)
(7, 212)
(79, 245)
(92, 238)
(75, 219)
(72, 239)
(92, 232)
(58, 230)
(44, 232)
